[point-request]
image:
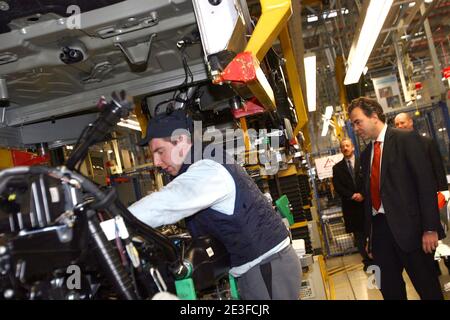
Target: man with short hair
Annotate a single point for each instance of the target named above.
(347, 181)
(402, 219)
(220, 200)
(405, 122)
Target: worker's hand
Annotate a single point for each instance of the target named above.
(429, 241)
(369, 254)
(358, 197)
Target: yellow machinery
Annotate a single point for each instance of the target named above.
(245, 67)
(6, 160)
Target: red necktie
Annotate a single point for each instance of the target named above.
(375, 177)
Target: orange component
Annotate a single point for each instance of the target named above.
(441, 200)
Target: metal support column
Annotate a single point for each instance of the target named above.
(437, 69)
(294, 81)
(401, 72)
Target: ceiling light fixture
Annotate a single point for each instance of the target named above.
(375, 16)
(310, 73)
(326, 120)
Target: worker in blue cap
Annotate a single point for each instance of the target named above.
(220, 200)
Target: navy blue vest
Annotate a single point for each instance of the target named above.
(253, 229)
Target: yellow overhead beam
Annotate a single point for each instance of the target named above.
(274, 16)
(294, 81)
(262, 90)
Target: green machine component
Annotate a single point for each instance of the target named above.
(233, 288)
(185, 289)
(283, 206)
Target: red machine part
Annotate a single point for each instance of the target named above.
(23, 158)
(241, 69)
(446, 72)
(250, 107)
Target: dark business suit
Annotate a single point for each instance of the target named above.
(437, 163)
(440, 175)
(344, 185)
(352, 210)
(408, 195)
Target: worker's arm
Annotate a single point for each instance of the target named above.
(205, 184)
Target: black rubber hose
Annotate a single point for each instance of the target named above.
(148, 232)
(110, 261)
(145, 231)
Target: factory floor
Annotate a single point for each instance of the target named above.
(348, 281)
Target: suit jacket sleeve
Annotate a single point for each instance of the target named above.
(422, 172)
(438, 166)
(342, 188)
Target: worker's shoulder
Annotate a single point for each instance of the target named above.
(206, 163)
(208, 171)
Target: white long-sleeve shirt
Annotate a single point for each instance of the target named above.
(206, 184)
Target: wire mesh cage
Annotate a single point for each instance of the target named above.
(337, 240)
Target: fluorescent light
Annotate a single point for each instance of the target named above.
(411, 4)
(326, 15)
(376, 14)
(428, 1)
(310, 73)
(131, 124)
(328, 112)
(326, 122)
